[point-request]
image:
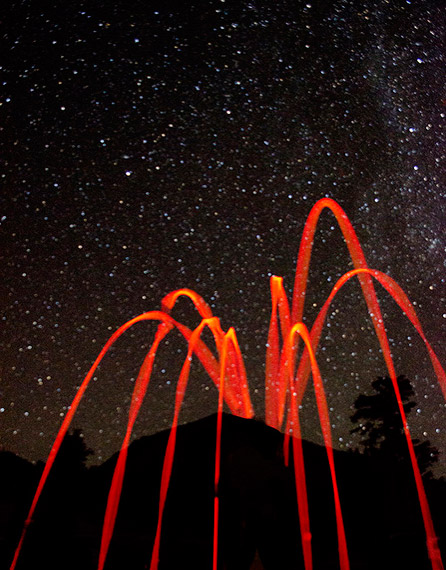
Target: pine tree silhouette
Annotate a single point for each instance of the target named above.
(381, 426)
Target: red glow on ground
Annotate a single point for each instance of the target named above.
(285, 385)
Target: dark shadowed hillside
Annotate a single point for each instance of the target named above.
(258, 514)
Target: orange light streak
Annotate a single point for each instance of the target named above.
(282, 383)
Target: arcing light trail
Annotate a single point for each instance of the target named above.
(285, 385)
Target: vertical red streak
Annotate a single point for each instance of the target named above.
(140, 389)
(272, 366)
(276, 386)
(221, 343)
(301, 486)
(218, 451)
(215, 540)
(170, 449)
(301, 329)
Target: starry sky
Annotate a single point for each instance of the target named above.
(148, 146)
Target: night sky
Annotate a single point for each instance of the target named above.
(148, 146)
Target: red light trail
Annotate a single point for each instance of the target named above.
(285, 385)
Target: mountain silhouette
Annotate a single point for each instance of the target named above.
(258, 524)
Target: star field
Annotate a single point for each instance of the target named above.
(160, 145)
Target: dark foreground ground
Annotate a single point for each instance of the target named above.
(258, 518)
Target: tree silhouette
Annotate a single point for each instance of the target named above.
(73, 454)
(381, 426)
(74, 449)
(61, 509)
